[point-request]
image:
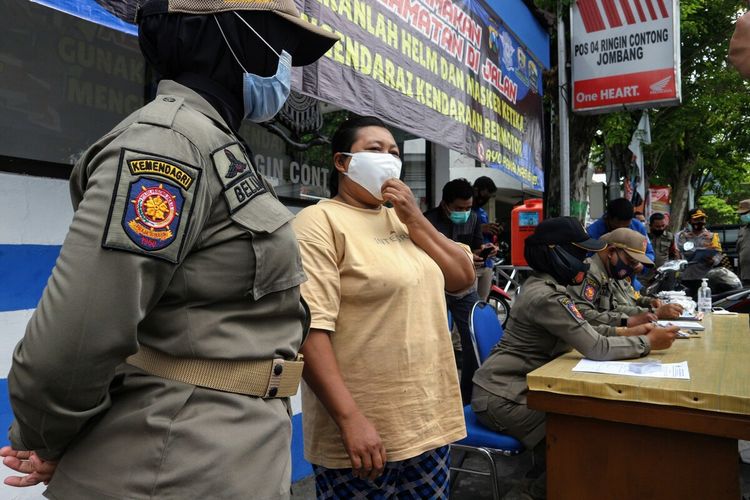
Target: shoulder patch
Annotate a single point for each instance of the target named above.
(590, 289)
(571, 308)
(151, 205)
(237, 175)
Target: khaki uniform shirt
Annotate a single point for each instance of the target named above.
(663, 248)
(626, 298)
(599, 297)
(178, 244)
(543, 325)
(743, 251)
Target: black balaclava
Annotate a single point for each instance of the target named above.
(563, 262)
(190, 50)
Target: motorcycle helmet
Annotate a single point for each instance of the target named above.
(721, 280)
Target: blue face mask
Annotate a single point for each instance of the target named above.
(263, 96)
(745, 218)
(459, 217)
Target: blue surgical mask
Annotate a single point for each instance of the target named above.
(263, 96)
(459, 217)
(745, 218)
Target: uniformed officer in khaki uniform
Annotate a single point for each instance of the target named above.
(544, 324)
(689, 241)
(739, 57)
(743, 241)
(605, 297)
(662, 241)
(159, 361)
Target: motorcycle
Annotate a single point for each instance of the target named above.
(729, 294)
(667, 278)
(727, 291)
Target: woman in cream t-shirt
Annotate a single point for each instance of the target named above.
(381, 400)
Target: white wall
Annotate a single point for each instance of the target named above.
(36, 211)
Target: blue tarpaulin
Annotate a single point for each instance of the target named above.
(90, 10)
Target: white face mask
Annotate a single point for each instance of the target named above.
(370, 170)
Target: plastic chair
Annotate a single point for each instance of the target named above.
(486, 332)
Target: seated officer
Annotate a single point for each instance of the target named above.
(545, 324)
(623, 293)
(620, 213)
(604, 296)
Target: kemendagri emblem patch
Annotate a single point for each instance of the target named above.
(153, 214)
(590, 289)
(571, 308)
(152, 204)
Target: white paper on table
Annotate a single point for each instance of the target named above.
(687, 325)
(722, 312)
(657, 370)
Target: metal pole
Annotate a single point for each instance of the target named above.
(562, 80)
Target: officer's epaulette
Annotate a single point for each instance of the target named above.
(161, 111)
(554, 284)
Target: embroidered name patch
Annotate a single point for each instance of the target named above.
(241, 183)
(151, 205)
(160, 168)
(571, 308)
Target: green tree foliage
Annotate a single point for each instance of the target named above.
(705, 141)
(718, 210)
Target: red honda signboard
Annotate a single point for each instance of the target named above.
(625, 54)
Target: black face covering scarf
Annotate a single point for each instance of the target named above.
(189, 49)
(562, 262)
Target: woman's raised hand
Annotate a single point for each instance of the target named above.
(402, 199)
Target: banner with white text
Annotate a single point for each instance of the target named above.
(447, 71)
(625, 54)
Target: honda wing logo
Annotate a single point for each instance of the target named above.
(660, 87)
(619, 12)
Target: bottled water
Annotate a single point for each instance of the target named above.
(704, 297)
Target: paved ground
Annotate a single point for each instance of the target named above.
(512, 484)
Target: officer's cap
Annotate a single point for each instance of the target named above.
(562, 230)
(633, 242)
(315, 41)
(743, 207)
(696, 214)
